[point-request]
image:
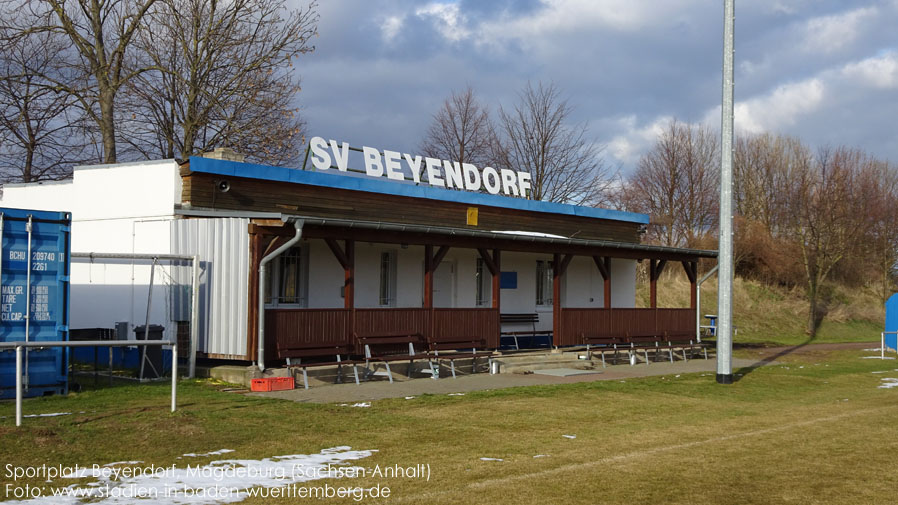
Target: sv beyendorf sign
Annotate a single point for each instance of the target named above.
(438, 173)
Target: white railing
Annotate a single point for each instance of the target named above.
(882, 347)
(20, 345)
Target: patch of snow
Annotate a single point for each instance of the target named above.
(874, 350)
(456, 394)
(527, 233)
(219, 482)
(881, 371)
(541, 456)
(121, 463)
(876, 357)
(409, 397)
(889, 383)
(491, 459)
(213, 453)
(569, 436)
(54, 414)
(675, 376)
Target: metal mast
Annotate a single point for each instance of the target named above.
(725, 249)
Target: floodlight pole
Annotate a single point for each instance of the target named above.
(725, 249)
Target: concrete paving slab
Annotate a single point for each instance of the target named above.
(565, 372)
(380, 389)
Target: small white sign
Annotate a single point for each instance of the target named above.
(437, 173)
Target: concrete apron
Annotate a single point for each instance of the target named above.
(323, 390)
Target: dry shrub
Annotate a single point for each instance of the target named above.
(765, 258)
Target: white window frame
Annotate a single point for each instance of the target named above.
(274, 285)
(544, 284)
(483, 294)
(387, 278)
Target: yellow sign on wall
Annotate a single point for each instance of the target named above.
(472, 216)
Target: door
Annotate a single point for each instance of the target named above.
(444, 285)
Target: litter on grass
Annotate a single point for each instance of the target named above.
(491, 459)
(221, 481)
(889, 383)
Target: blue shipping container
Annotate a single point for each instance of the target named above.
(47, 235)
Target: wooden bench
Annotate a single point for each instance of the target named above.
(602, 344)
(683, 340)
(458, 348)
(530, 318)
(394, 346)
(333, 351)
(644, 341)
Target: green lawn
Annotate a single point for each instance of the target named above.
(813, 429)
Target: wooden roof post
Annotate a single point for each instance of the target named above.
(428, 276)
(604, 266)
(691, 268)
(655, 269)
(559, 267)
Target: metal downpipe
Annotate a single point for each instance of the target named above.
(260, 345)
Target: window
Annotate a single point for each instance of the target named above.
(387, 292)
(543, 283)
(483, 281)
(287, 279)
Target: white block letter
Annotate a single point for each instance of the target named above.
(341, 154)
(373, 167)
(509, 182)
(320, 158)
(472, 177)
(433, 172)
(492, 186)
(415, 165)
(391, 162)
(453, 175)
(524, 183)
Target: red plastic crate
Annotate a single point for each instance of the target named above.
(272, 384)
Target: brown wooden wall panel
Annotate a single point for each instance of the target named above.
(303, 327)
(198, 190)
(477, 323)
(676, 320)
(576, 322)
(376, 321)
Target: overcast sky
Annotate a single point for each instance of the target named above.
(825, 71)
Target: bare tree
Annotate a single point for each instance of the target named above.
(224, 78)
(565, 165)
(38, 123)
(824, 214)
(461, 130)
(100, 33)
(676, 184)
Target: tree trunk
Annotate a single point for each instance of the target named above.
(812, 310)
(107, 124)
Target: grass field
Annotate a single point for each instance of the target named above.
(813, 429)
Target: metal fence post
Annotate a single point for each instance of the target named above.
(18, 386)
(174, 375)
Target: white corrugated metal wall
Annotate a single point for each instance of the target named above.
(223, 247)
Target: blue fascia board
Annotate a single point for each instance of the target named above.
(373, 185)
